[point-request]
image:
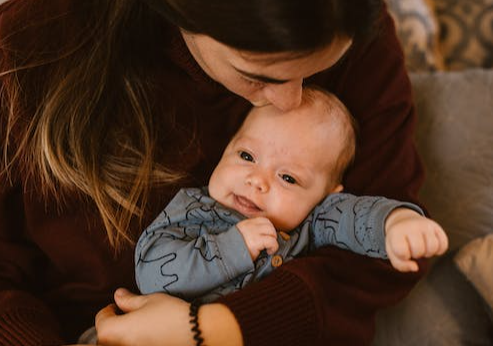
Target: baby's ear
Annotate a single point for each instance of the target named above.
(337, 189)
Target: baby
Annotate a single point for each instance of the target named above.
(274, 195)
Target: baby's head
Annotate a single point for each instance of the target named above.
(280, 165)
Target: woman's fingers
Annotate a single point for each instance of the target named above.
(126, 301)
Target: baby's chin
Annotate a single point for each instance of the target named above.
(283, 226)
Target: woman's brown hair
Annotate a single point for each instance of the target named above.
(92, 128)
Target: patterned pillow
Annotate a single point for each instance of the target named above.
(474, 261)
(466, 30)
(418, 31)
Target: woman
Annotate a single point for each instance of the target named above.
(110, 107)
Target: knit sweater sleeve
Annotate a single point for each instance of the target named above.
(24, 319)
(327, 298)
(331, 296)
(375, 86)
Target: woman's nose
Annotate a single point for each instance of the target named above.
(258, 182)
(284, 96)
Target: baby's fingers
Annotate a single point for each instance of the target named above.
(270, 245)
(404, 265)
(399, 253)
(442, 241)
(431, 244)
(417, 243)
(436, 241)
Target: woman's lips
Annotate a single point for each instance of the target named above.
(245, 206)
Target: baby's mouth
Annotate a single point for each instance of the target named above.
(245, 206)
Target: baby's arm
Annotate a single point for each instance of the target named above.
(410, 235)
(353, 222)
(189, 267)
(259, 234)
(190, 249)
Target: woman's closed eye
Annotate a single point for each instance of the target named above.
(253, 82)
(246, 156)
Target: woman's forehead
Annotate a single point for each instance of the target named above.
(272, 58)
(284, 64)
(339, 43)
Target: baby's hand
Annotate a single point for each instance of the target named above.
(410, 235)
(259, 234)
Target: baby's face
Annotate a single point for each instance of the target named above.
(279, 166)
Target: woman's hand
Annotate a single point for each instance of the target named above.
(155, 319)
(162, 320)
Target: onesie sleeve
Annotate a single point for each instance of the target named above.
(191, 248)
(355, 223)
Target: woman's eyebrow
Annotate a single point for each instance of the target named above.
(261, 78)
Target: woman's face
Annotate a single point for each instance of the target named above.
(262, 78)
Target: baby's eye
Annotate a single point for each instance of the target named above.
(288, 179)
(246, 156)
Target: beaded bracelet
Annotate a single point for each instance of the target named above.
(194, 314)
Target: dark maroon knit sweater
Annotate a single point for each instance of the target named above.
(57, 270)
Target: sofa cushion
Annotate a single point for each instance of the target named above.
(455, 139)
(444, 309)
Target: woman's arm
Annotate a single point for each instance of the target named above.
(376, 88)
(162, 320)
(335, 304)
(24, 319)
(328, 298)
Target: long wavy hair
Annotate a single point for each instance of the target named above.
(91, 128)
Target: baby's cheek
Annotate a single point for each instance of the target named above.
(291, 217)
(213, 190)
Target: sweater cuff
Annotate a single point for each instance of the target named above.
(24, 321)
(256, 318)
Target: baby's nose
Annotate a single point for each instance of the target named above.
(258, 182)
